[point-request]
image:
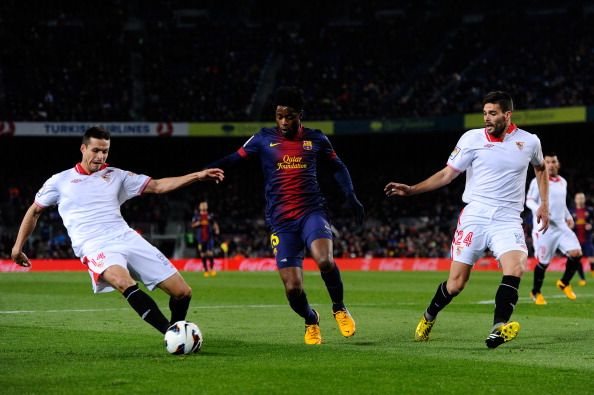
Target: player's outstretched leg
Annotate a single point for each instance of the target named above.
(539, 275)
(505, 302)
(344, 320)
(146, 308)
(440, 300)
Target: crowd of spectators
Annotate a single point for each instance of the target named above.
(171, 61)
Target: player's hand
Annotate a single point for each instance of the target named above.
(542, 218)
(396, 189)
(20, 258)
(216, 175)
(357, 207)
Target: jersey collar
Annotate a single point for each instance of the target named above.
(297, 136)
(81, 170)
(511, 128)
(555, 179)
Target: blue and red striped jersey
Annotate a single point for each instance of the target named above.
(290, 171)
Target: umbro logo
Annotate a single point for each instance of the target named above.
(489, 145)
(76, 180)
(274, 144)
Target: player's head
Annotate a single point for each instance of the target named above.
(288, 104)
(552, 164)
(94, 148)
(497, 110)
(580, 199)
(203, 206)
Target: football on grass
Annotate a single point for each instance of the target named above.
(183, 337)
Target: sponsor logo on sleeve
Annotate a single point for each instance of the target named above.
(454, 153)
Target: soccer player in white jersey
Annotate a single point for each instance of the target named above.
(558, 236)
(496, 160)
(89, 197)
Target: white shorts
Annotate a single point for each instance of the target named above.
(481, 227)
(144, 262)
(556, 237)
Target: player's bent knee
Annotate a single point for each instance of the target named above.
(293, 290)
(575, 253)
(326, 264)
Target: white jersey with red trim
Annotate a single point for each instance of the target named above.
(558, 211)
(89, 204)
(496, 168)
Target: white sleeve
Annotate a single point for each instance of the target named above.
(48, 195)
(533, 196)
(537, 158)
(461, 157)
(132, 185)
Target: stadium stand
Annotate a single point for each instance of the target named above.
(221, 62)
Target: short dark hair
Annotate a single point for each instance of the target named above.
(96, 132)
(289, 96)
(502, 98)
(550, 153)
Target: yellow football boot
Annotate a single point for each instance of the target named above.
(346, 323)
(567, 290)
(312, 332)
(423, 329)
(538, 298)
(502, 334)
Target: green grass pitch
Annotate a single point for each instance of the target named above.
(56, 337)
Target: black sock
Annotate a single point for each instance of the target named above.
(441, 299)
(592, 266)
(179, 308)
(204, 264)
(580, 269)
(300, 305)
(146, 308)
(539, 275)
(335, 288)
(506, 299)
(570, 269)
(211, 259)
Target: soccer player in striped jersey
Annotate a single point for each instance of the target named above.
(205, 229)
(558, 236)
(583, 218)
(89, 197)
(296, 211)
(496, 161)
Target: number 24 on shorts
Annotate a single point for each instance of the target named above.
(459, 235)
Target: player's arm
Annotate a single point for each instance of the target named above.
(542, 213)
(437, 180)
(249, 148)
(343, 178)
(164, 185)
(27, 226)
(569, 218)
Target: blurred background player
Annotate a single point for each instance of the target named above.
(583, 218)
(559, 234)
(89, 197)
(205, 230)
(296, 210)
(496, 160)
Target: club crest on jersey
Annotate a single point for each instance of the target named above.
(307, 144)
(520, 145)
(454, 153)
(107, 175)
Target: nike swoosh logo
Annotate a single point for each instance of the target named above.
(274, 144)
